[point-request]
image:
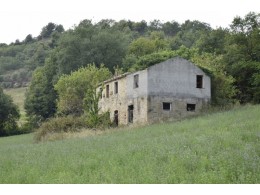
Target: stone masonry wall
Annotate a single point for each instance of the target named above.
(127, 95)
(115, 101)
(172, 82)
(178, 108)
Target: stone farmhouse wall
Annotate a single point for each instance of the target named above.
(174, 89)
(115, 101)
(174, 82)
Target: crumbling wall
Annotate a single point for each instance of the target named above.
(115, 101)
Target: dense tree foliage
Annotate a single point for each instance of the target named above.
(230, 56)
(40, 102)
(72, 89)
(243, 56)
(89, 43)
(20, 59)
(9, 114)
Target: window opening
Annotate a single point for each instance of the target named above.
(136, 81)
(130, 113)
(166, 106)
(116, 117)
(100, 91)
(199, 82)
(116, 87)
(107, 91)
(191, 107)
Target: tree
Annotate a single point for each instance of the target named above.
(155, 25)
(247, 80)
(141, 46)
(171, 28)
(40, 101)
(213, 41)
(28, 39)
(91, 44)
(223, 91)
(91, 106)
(243, 56)
(147, 45)
(49, 29)
(245, 36)
(140, 27)
(9, 114)
(59, 28)
(17, 42)
(190, 32)
(72, 89)
(105, 23)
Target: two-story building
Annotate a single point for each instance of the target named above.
(175, 88)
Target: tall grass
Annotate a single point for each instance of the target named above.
(57, 128)
(217, 148)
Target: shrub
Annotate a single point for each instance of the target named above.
(72, 88)
(100, 121)
(59, 125)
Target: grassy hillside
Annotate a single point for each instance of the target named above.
(218, 148)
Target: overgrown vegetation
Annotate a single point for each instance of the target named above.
(57, 62)
(9, 113)
(19, 59)
(57, 128)
(18, 96)
(51, 128)
(73, 88)
(217, 148)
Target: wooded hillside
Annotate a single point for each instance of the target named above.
(230, 56)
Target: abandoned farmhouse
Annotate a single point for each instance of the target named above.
(175, 88)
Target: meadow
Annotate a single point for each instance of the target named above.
(216, 148)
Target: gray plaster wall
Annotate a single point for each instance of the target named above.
(177, 77)
(142, 90)
(138, 96)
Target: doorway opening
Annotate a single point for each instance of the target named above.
(116, 117)
(131, 113)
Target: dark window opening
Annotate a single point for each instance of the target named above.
(107, 91)
(116, 88)
(191, 107)
(100, 92)
(130, 113)
(136, 81)
(166, 106)
(116, 117)
(199, 81)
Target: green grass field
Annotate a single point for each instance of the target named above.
(217, 148)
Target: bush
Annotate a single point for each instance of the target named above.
(59, 125)
(101, 121)
(71, 89)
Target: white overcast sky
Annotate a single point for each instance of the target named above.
(18, 18)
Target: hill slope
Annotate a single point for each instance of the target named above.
(218, 148)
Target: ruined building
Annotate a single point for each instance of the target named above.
(175, 88)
